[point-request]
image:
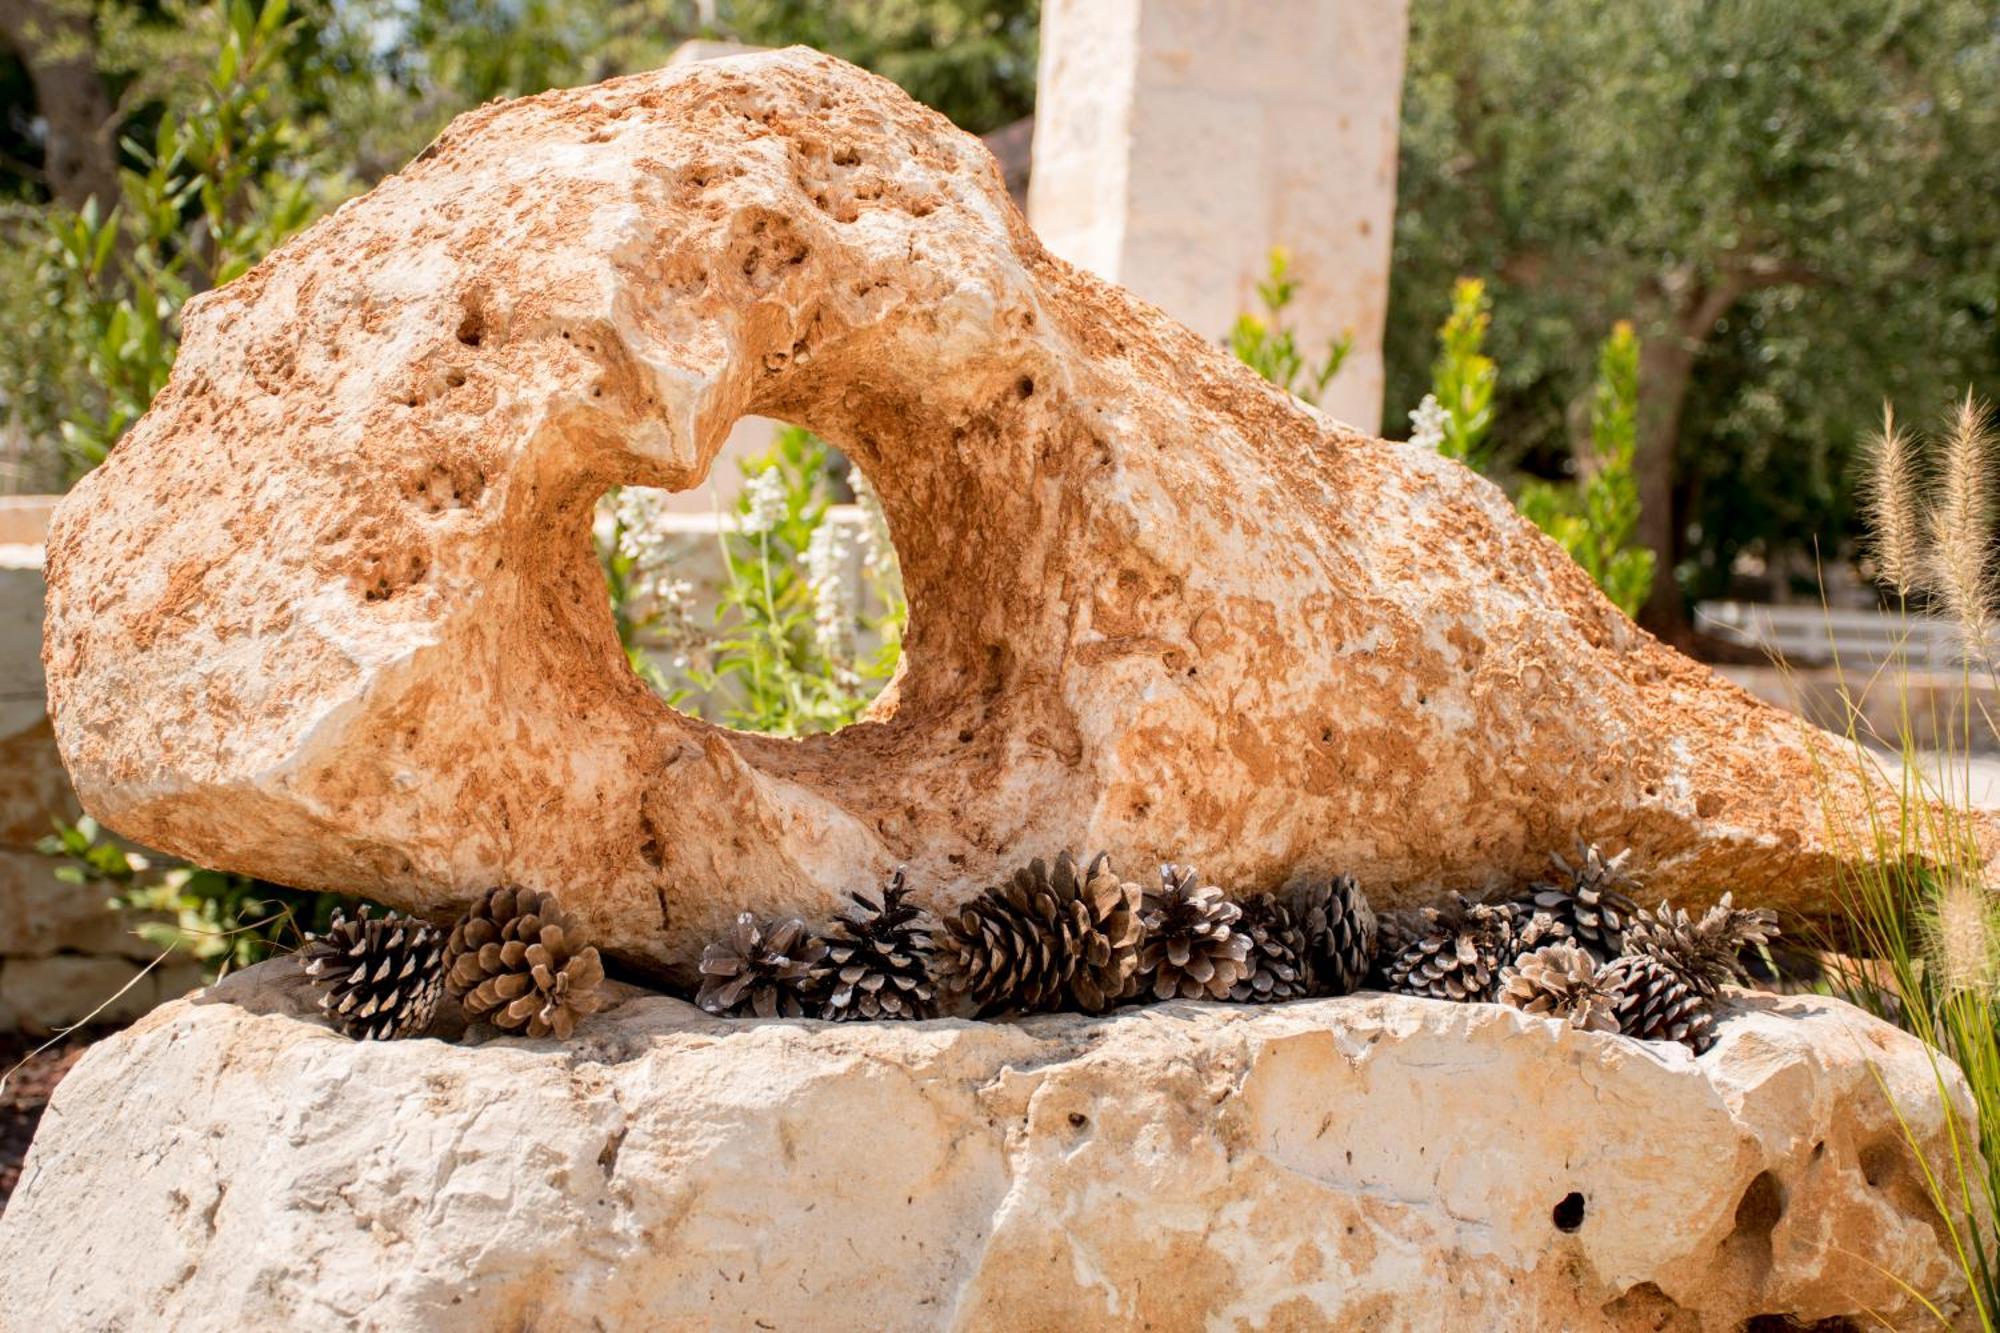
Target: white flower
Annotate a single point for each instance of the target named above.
(674, 628)
(659, 607)
(878, 553)
(829, 577)
(766, 493)
(642, 536)
(1427, 423)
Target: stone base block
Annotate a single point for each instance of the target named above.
(39, 995)
(1375, 1161)
(43, 914)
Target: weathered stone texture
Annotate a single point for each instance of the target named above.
(329, 614)
(1377, 1161)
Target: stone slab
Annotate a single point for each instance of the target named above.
(1375, 1161)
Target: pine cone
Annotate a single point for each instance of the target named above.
(1532, 928)
(517, 959)
(377, 979)
(1340, 931)
(1191, 948)
(878, 959)
(765, 969)
(1395, 930)
(1460, 953)
(1656, 1003)
(1706, 952)
(1046, 940)
(1588, 898)
(1562, 981)
(1277, 967)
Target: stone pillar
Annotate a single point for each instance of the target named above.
(1177, 141)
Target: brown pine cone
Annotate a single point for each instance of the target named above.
(377, 979)
(1656, 1003)
(1562, 981)
(1046, 940)
(1191, 948)
(878, 959)
(1706, 951)
(1340, 930)
(763, 969)
(516, 959)
(1589, 898)
(1277, 968)
(1459, 954)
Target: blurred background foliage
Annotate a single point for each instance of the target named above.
(1791, 204)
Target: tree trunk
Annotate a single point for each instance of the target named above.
(55, 40)
(1687, 314)
(1666, 365)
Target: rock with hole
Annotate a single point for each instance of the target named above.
(329, 614)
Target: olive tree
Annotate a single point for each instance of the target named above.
(1793, 204)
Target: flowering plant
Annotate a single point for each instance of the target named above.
(808, 618)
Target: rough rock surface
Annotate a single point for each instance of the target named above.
(329, 614)
(1377, 1160)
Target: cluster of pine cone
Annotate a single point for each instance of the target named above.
(515, 959)
(1066, 936)
(1072, 936)
(1076, 937)
(1577, 947)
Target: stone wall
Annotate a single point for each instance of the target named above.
(62, 951)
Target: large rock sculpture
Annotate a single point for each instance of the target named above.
(1377, 1161)
(329, 614)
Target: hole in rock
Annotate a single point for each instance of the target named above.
(1568, 1215)
(1757, 1214)
(607, 1156)
(770, 599)
(1879, 1164)
(1762, 1204)
(1887, 1165)
(1644, 1306)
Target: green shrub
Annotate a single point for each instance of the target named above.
(1463, 376)
(787, 648)
(1597, 519)
(223, 920)
(1267, 345)
(220, 181)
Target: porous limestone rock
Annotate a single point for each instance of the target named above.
(329, 614)
(1376, 1161)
